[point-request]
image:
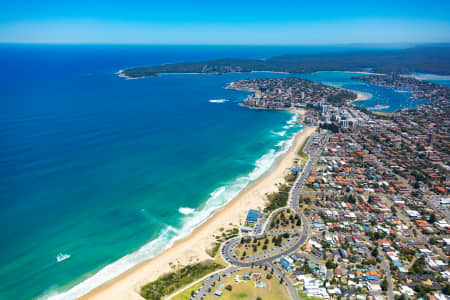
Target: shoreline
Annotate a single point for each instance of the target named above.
(361, 96)
(121, 74)
(193, 248)
(356, 72)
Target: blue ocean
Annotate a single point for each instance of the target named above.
(99, 173)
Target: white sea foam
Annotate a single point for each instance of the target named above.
(293, 120)
(170, 235)
(218, 100)
(186, 210)
(280, 133)
(280, 143)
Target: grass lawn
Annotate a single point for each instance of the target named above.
(250, 250)
(302, 295)
(284, 220)
(247, 289)
(301, 152)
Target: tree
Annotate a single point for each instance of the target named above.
(419, 266)
(229, 287)
(331, 265)
(432, 219)
(375, 252)
(384, 285)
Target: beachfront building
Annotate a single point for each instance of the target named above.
(253, 216)
(252, 221)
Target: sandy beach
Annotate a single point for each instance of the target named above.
(193, 248)
(362, 96)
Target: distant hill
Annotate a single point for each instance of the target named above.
(421, 59)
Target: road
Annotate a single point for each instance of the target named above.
(292, 245)
(286, 281)
(387, 269)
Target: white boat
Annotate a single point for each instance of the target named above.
(60, 257)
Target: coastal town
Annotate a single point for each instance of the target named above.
(281, 93)
(364, 212)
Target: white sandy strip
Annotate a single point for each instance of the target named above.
(362, 96)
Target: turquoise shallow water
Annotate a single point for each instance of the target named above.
(112, 171)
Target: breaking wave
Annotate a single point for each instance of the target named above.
(186, 210)
(280, 133)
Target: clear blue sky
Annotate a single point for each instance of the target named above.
(224, 22)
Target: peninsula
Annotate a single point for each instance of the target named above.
(424, 59)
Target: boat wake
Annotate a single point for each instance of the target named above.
(218, 100)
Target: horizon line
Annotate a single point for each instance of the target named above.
(213, 44)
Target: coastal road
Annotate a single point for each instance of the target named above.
(296, 242)
(292, 245)
(286, 281)
(270, 217)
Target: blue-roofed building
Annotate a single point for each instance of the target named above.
(372, 277)
(252, 216)
(285, 264)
